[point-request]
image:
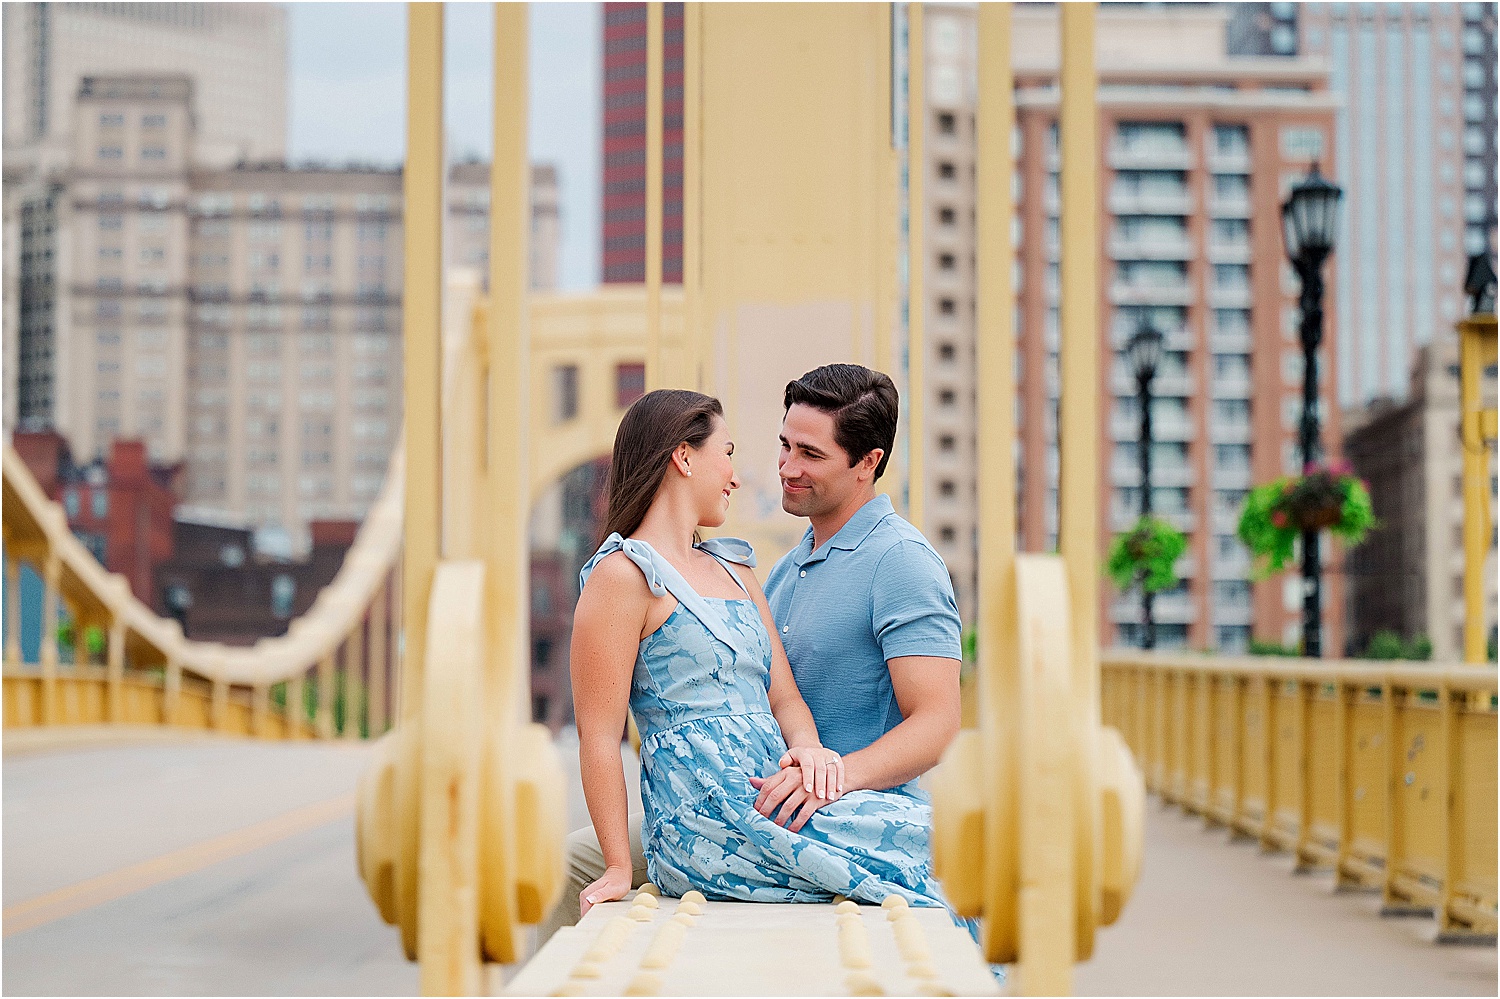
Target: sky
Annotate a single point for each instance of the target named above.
(347, 95)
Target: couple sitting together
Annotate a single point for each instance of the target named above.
(782, 731)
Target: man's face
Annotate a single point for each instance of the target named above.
(815, 473)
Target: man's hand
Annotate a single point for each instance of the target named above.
(808, 780)
(614, 885)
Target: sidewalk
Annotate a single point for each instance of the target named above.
(1213, 917)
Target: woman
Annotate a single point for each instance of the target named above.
(678, 632)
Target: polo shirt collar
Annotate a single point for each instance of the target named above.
(851, 534)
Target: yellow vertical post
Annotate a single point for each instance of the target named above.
(994, 357)
(171, 693)
(260, 711)
(1078, 418)
(115, 671)
(296, 706)
(507, 664)
(12, 611)
(916, 254)
(695, 340)
(354, 685)
(656, 377)
(325, 696)
(422, 322)
(1477, 347)
(219, 705)
(51, 580)
(379, 664)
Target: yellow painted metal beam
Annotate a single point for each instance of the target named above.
(1477, 348)
(996, 437)
(422, 321)
(656, 376)
(916, 242)
(1078, 416)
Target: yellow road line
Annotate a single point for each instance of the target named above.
(55, 905)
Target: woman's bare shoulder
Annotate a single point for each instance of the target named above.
(616, 577)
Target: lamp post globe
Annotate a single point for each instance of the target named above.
(1309, 222)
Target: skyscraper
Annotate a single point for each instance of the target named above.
(1197, 149)
(624, 220)
(1416, 134)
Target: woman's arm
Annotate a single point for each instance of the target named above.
(792, 714)
(606, 636)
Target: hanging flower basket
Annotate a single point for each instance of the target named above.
(1146, 554)
(1323, 498)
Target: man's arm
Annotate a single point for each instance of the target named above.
(927, 692)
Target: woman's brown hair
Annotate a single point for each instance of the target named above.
(649, 432)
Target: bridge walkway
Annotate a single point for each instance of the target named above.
(226, 867)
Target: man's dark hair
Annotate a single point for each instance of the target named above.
(863, 404)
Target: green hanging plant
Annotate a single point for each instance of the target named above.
(1146, 554)
(93, 638)
(1325, 497)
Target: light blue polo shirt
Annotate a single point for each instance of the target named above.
(875, 591)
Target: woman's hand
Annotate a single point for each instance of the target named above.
(613, 886)
(810, 777)
(822, 770)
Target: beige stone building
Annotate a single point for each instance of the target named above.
(235, 54)
(1197, 150)
(243, 320)
(1408, 576)
(468, 229)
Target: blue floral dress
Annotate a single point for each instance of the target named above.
(700, 696)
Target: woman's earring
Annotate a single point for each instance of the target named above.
(690, 473)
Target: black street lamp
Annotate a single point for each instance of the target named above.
(1308, 220)
(1143, 353)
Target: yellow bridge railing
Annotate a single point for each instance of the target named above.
(1384, 772)
(153, 675)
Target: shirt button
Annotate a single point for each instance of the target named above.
(785, 628)
(804, 572)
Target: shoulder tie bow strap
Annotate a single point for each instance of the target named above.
(662, 578)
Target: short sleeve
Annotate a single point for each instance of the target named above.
(913, 612)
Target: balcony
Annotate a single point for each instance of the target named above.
(1229, 343)
(1179, 385)
(1147, 294)
(1167, 608)
(1239, 297)
(1125, 248)
(1228, 478)
(1228, 161)
(1129, 428)
(1236, 566)
(1228, 253)
(1124, 474)
(1236, 387)
(1224, 613)
(1229, 207)
(1152, 158)
(1147, 203)
(1222, 432)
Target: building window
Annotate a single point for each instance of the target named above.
(71, 503)
(947, 123)
(100, 500)
(541, 656)
(153, 153)
(111, 153)
(111, 121)
(153, 121)
(947, 171)
(630, 383)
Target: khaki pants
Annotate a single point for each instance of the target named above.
(585, 864)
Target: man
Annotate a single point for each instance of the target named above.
(863, 605)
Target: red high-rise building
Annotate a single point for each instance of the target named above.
(624, 237)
